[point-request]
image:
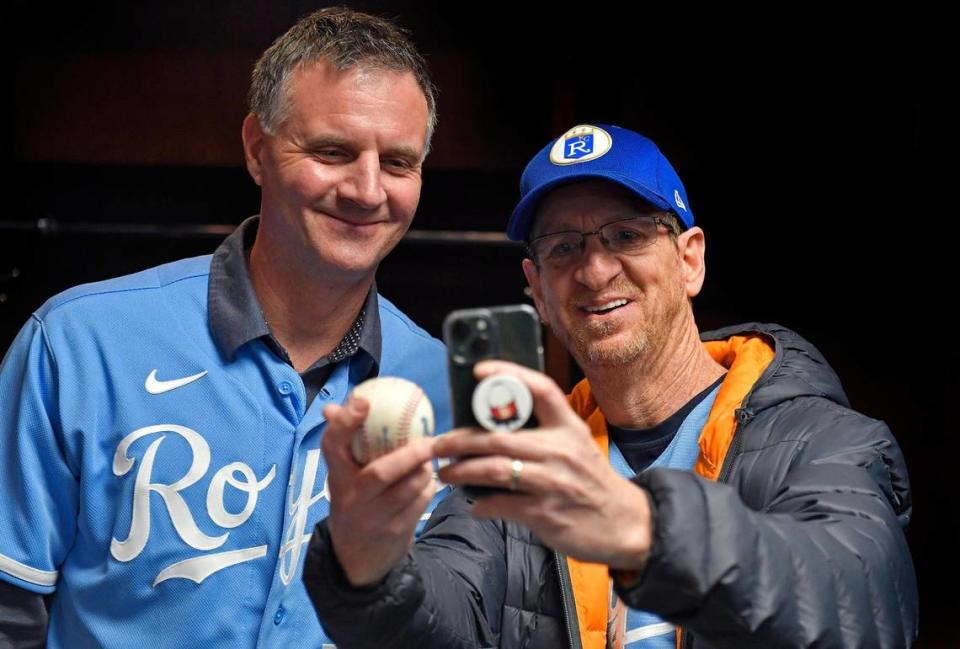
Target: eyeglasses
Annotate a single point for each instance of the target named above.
(627, 236)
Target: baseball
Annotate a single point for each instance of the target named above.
(399, 411)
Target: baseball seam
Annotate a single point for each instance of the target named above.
(409, 408)
(366, 451)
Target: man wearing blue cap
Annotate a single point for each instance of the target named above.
(721, 479)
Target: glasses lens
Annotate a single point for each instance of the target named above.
(630, 235)
(556, 248)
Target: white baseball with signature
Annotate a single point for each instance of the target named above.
(399, 412)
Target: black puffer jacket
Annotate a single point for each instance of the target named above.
(799, 544)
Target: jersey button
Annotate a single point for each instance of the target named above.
(285, 387)
(281, 614)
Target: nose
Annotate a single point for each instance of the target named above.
(361, 184)
(597, 266)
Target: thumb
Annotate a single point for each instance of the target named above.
(342, 423)
(549, 402)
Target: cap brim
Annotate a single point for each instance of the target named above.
(518, 228)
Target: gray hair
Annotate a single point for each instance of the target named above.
(347, 39)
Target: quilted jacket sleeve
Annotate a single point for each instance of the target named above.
(460, 557)
(819, 558)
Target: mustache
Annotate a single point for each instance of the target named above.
(620, 287)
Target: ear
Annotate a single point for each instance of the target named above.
(691, 249)
(253, 136)
(532, 272)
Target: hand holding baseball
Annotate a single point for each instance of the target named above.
(374, 508)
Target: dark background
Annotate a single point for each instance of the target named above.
(819, 153)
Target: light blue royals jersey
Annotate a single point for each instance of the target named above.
(164, 492)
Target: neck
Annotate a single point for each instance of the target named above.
(308, 314)
(647, 391)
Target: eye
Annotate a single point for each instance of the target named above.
(561, 247)
(330, 155)
(395, 164)
(628, 235)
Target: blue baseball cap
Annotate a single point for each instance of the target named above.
(599, 151)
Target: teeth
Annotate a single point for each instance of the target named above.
(605, 307)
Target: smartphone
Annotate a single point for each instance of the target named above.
(511, 333)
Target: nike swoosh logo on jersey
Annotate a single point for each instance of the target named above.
(155, 386)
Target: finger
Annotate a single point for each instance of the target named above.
(537, 444)
(405, 521)
(342, 424)
(549, 402)
(384, 472)
(374, 507)
(454, 434)
(343, 421)
(412, 491)
(500, 472)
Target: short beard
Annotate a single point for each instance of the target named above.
(589, 348)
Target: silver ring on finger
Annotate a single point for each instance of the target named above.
(516, 468)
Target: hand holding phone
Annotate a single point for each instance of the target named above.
(499, 402)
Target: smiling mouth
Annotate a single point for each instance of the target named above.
(355, 224)
(606, 307)
(348, 221)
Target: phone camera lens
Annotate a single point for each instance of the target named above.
(461, 330)
(480, 345)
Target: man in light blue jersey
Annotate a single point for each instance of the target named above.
(160, 469)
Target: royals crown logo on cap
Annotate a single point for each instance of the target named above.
(580, 144)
